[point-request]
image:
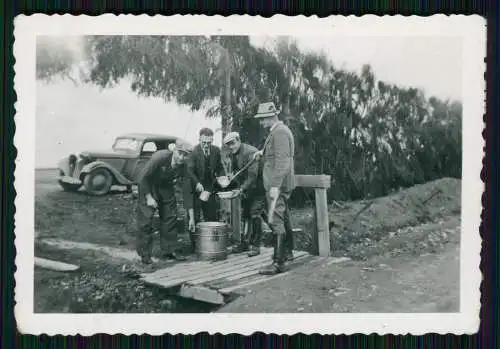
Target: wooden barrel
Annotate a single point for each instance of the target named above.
(211, 240)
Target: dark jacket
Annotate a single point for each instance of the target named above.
(157, 176)
(248, 178)
(278, 159)
(188, 192)
(197, 170)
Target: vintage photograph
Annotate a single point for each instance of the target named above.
(219, 172)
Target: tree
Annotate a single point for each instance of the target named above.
(371, 136)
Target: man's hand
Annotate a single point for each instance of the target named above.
(257, 154)
(151, 202)
(199, 187)
(274, 192)
(191, 225)
(239, 191)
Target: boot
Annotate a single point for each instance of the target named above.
(278, 265)
(273, 269)
(255, 233)
(173, 256)
(240, 247)
(253, 251)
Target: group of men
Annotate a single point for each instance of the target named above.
(264, 187)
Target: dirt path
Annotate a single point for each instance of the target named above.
(428, 283)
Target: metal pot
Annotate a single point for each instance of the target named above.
(211, 240)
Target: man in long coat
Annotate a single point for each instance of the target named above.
(157, 192)
(279, 182)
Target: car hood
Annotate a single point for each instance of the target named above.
(107, 154)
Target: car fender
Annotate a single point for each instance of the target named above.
(100, 164)
(68, 165)
(63, 165)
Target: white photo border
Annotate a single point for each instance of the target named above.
(472, 30)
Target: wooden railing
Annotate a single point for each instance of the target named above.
(321, 233)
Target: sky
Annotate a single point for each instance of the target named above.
(433, 64)
(71, 118)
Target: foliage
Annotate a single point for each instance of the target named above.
(370, 136)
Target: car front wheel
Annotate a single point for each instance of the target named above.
(98, 182)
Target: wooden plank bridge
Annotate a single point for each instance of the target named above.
(214, 282)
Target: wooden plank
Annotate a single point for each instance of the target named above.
(257, 280)
(203, 294)
(226, 290)
(322, 226)
(55, 265)
(200, 266)
(176, 280)
(229, 287)
(195, 270)
(252, 272)
(211, 275)
(220, 274)
(196, 266)
(313, 181)
(245, 269)
(244, 276)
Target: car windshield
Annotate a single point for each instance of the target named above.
(126, 144)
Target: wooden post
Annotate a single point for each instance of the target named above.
(322, 226)
(236, 218)
(321, 235)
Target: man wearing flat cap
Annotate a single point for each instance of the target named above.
(252, 194)
(278, 178)
(157, 192)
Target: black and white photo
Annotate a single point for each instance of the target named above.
(241, 174)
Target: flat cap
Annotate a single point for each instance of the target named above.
(230, 137)
(182, 145)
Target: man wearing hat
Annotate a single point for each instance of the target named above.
(252, 199)
(156, 192)
(278, 177)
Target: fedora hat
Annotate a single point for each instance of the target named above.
(266, 110)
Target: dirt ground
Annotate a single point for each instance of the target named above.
(404, 250)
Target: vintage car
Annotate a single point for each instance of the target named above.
(98, 171)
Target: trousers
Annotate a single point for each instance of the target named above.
(282, 227)
(254, 210)
(167, 209)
